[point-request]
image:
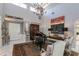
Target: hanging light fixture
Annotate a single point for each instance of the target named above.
(40, 7)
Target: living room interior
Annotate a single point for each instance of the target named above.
(39, 29)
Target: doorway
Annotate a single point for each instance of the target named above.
(33, 29)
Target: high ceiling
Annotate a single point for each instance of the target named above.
(35, 5)
(42, 8)
(45, 6)
(38, 8)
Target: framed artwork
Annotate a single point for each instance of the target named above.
(57, 25)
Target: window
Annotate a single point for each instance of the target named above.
(20, 5)
(14, 28)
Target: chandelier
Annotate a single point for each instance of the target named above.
(40, 7)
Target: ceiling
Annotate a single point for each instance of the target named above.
(35, 5)
(42, 8)
(45, 6)
(38, 9)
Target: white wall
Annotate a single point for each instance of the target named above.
(70, 11)
(45, 24)
(1, 6)
(1, 11)
(20, 12)
(0, 34)
(28, 16)
(13, 10)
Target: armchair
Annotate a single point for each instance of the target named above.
(39, 41)
(56, 49)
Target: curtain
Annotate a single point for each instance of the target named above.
(5, 33)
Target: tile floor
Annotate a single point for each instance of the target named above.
(7, 49)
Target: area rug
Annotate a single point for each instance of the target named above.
(26, 49)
